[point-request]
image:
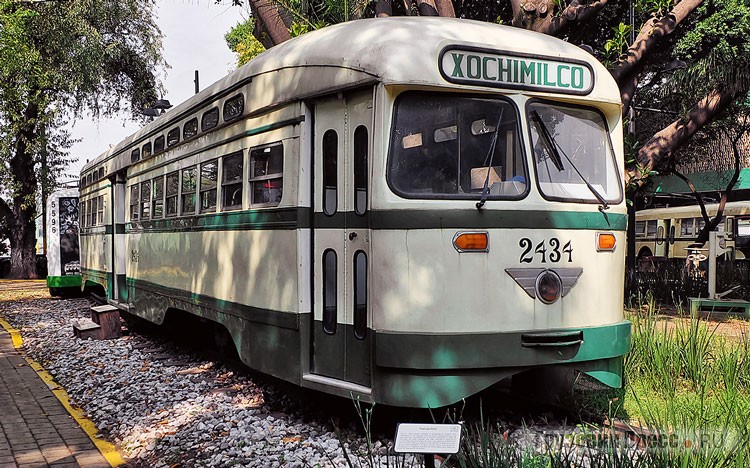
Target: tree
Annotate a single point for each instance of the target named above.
(59, 60)
(703, 38)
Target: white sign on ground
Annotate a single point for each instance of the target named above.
(427, 438)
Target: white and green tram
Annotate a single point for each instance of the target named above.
(404, 210)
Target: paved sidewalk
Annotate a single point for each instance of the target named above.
(35, 429)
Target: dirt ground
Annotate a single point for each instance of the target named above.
(730, 325)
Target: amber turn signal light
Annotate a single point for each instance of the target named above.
(471, 242)
(605, 242)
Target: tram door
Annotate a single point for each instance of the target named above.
(119, 291)
(341, 342)
(662, 238)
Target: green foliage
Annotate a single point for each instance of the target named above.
(617, 44)
(59, 60)
(241, 41)
(656, 8)
(716, 49)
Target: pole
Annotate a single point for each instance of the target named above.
(713, 245)
(197, 82)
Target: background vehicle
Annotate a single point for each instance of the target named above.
(667, 232)
(408, 226)
(63, 260)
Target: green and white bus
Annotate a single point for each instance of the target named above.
(404, 210)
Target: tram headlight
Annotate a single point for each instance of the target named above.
(548, 286)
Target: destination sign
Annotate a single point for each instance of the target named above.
(485, 68)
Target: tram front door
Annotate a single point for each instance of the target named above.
(341, 341)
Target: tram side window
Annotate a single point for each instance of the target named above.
(157, 199)
(159, 144)
(82, 214)
(134, 200)
(266, 170)
(233, 107)
(146, 199)
(135, 155)
(640, 228)
(146, 151)
(173, 184)
(100, 211)
(330, 291)
(231, 181)
(330, 174)
(93, 210)
(209, 176)
(190, 129)
(651, 228)
(743, 227)
(173, 137)
(360, 295)
(210, 119)
(360, 170)
(686, 227)
(189, 183)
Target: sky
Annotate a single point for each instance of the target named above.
(193, 40)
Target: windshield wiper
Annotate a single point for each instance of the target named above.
(553, 146)
(488, 162)
(548, 141)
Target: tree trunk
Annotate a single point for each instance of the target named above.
(383, 8)
(427, 8)
(20, 217)
(445, 8)
(271, 28)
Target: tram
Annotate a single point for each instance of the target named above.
(400, 210)
(63, 262)
(668, 232)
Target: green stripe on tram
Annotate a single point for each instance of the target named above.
(71, 281)
(299, 218)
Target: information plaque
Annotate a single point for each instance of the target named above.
(427, 438)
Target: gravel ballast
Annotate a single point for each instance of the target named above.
(162, 407)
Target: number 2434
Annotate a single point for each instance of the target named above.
(550, 250)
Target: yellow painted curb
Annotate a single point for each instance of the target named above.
(107, 449)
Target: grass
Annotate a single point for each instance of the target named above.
(686, 404)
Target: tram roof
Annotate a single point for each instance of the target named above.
(396, 50)
(406, 49)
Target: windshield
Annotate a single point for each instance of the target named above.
(574, 159)
(455, 147)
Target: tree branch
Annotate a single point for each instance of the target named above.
(662, 145)
(383, 8)
(651, 33)
(445, 8)
(427, 8)
(538, 15)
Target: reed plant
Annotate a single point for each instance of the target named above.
(687, 404)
